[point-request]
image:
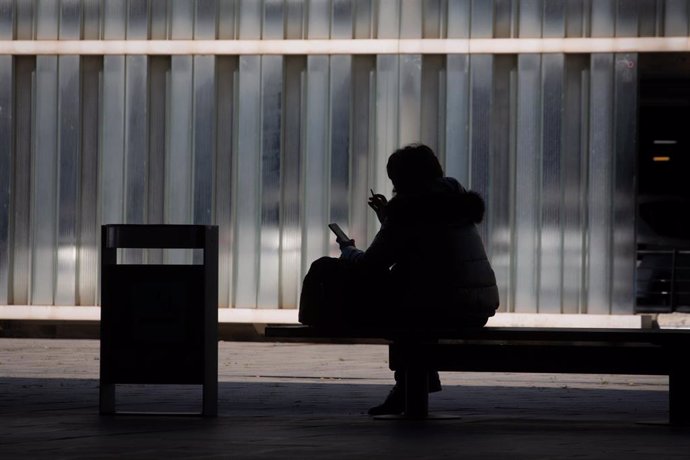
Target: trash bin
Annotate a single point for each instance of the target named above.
(159, 322)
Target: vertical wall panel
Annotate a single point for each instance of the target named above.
(388, 19)
(271, 120)
(481, 19)
(88, 191)
(600, 184)
(410, 105)
(432, 104)
(457, 117)
(676, 17)
(527, 178)
(315, 162)
(411, 18)
(502, 164)
(24, 110)
(363, 18)
(226, 71)
(458, 19)
(271, 164)
(69, 146)
(204, 138)
(575, 129)
(480, 134)
(291, 199)
(44, 180)
(625, 157)
(246, 190)
(550, 244)
(340, 97)
(386, 125)
(602, 18)
(6, 168)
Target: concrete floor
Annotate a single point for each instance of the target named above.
(309, 401)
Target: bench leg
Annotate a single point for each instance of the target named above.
(107, 398)
(679, 397)
(416, 393)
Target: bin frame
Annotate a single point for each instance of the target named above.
(163, 236)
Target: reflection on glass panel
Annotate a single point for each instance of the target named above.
(69, 142)
(550, 245)
(271, 119)
(457, 117)
(315, 161)
(599, 181)
(526, 182)
(246, 191)
(44, 165)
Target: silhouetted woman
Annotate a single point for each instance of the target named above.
(426, 268)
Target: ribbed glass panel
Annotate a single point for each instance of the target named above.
(481, 70)
(291, 229)
(599, 257)
(624, 248)
(551, 243)
(457, 117)
(24, 95)
(676, 17)
(502, 173)
(388, 15)
(271, 120)
(246, 190)
(91, 68)
(527, 178)
(6, 168)
(315, 162)
(574, 162)
(340, 106)
(409, 107)
(602, 18)
(224, 193)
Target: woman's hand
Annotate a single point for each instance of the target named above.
(378, 203)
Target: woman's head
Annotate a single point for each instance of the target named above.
(413, 167)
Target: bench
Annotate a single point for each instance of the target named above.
(528, 350)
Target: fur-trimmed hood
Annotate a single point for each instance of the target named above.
(444, 201)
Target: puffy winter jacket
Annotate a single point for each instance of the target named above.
(439, 269)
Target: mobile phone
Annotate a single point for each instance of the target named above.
(339, 233)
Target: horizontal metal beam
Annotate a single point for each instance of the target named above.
(346, 47)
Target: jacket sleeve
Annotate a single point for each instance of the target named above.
(381, 251)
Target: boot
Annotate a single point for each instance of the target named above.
(393, 405)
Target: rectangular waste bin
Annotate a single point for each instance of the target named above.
(159, 322)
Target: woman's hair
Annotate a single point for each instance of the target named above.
(412, 167)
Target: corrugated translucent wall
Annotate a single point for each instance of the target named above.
(272, 148)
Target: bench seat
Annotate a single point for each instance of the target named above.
(529, 350)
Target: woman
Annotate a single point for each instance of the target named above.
(425, 268)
